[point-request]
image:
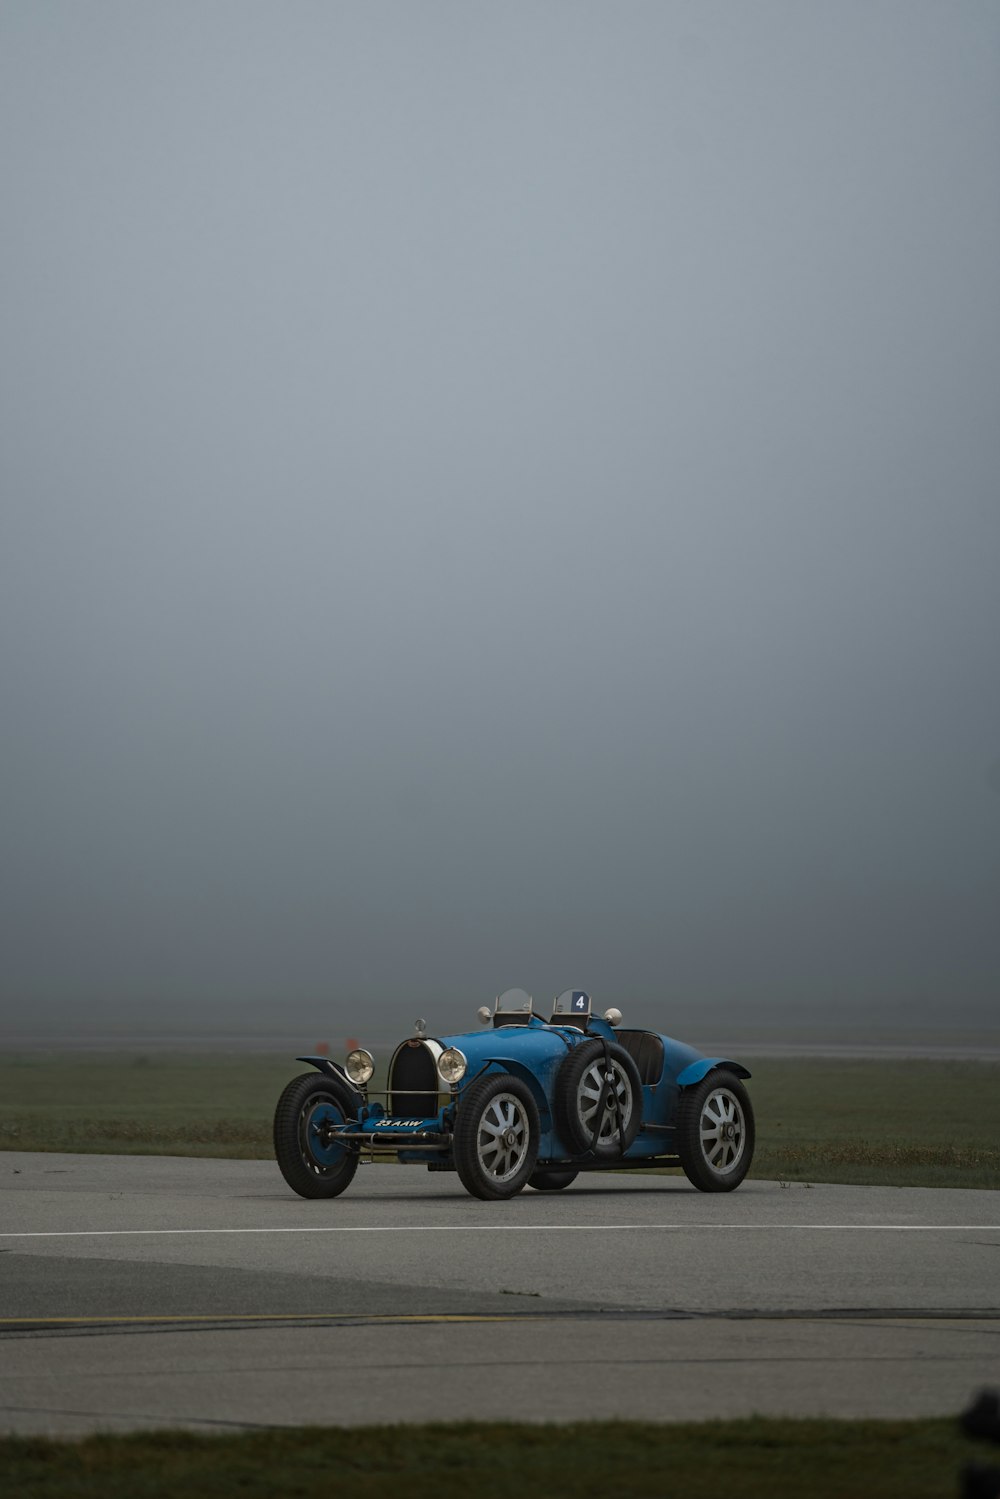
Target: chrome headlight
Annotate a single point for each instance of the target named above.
(359, 1066)
(452, 1066)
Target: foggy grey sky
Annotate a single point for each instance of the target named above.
(499, 494)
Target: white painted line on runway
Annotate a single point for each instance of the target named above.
(515, 1228)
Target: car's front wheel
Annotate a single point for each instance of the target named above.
(312, 1160)
(496, 1136)
(715, 1132)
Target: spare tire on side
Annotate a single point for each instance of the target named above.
(585, 1097)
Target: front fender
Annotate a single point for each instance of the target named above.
(695, 1071)
(525, 1074)
(332, 1069)
(534, 1083)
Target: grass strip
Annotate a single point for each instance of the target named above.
(750, 1459)
(892, 1123)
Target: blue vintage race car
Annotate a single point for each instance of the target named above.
(529, 1102)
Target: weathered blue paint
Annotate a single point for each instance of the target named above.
(695, 1071)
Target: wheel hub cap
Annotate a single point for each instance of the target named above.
(723, 1131)
(503, 1137)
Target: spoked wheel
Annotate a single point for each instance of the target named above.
(590, 1096)
(715, 1132)
(545, 1180)
(496, 1136)
(312, 1161)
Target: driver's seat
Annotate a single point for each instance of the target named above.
(646, 1051)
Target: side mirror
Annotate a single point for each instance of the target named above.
(613, 1016)
(485, 1014)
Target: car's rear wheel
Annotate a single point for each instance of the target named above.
(312, 1161)
(496, 1136)
(545, 1180)
(598, 1107)
(715, 1132)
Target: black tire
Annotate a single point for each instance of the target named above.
(551, 1181)
(715, 1132)
(309, 1167)
(496, 1136)
(581, 1090)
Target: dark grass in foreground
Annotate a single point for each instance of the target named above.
(892, 1123)
(754, 1459)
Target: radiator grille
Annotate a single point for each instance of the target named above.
(413, 1083)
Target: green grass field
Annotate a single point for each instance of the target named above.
(755, 1459)
(895, 1123)
(928, 1124)
(167, 1104)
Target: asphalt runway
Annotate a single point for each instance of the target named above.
(139, 1292)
